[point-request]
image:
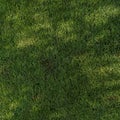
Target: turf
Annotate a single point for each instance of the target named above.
(59, 60)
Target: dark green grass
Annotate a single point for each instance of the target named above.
(59, 60)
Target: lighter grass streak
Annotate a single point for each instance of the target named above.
(102, 14)
(25, 43)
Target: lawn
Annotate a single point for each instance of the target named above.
(59, 59)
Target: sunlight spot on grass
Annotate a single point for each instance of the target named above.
(71, 37)
(102, 14)
(65, 30)
(25, 42)
(39, 26)
(114, 68)
(65, 26)
(13, 105)
(104, 68)
(42, 25)
(41, 22)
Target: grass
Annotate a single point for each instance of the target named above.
(60, 60)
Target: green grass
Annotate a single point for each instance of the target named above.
(59, 60)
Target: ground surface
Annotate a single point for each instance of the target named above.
(59, 60)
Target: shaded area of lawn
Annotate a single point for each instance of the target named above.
(60, 59)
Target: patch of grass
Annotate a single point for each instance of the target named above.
(59, 60)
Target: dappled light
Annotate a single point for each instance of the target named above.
(41, 22)
(102, 15)
(60, 59)
(13, 105)
(65, 30)
(25, 42)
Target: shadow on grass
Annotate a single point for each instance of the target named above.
(56, 65)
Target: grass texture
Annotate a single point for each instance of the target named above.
(59, 60)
